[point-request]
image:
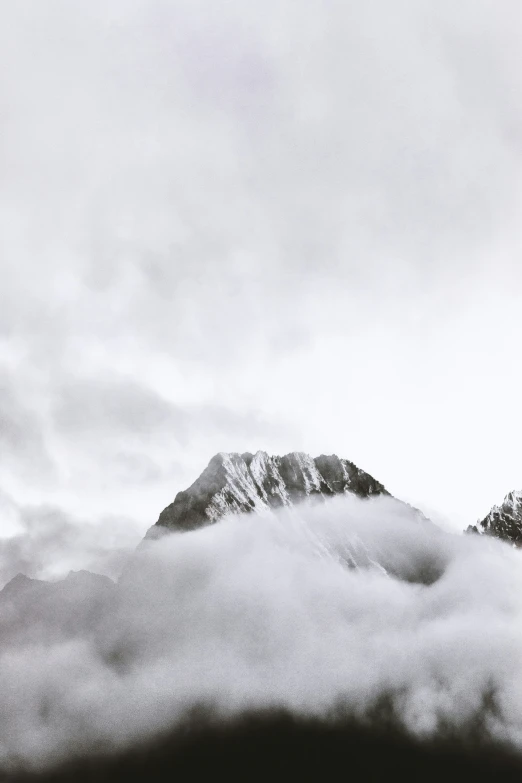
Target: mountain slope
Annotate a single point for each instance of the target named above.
(237, 483)
(504, 521)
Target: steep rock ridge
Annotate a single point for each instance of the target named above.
(236, 483)
(504, 521)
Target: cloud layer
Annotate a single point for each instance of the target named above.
(328, 607)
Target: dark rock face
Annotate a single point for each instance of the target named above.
(237, 483)
(504, 521)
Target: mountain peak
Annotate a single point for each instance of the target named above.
(239, 483)
(504, 521)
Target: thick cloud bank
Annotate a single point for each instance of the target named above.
(334, 607)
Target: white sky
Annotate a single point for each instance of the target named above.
(243, 225)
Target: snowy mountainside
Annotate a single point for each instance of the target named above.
(504, 521)
(239, 483)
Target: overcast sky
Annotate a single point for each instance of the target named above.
(257, 225)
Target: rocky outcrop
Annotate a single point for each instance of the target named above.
(238, 483)
(504, 521)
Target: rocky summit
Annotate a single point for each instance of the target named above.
(504, 521)
(237, 483)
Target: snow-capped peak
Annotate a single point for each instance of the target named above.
(238, 483)
(504, 521)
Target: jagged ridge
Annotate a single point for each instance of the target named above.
(236, 483)
(504, 521)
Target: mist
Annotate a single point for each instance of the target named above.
(320, 610)
(257, 225)
(320, 201)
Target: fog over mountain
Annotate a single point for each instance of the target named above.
(250, 229)
(330, 607)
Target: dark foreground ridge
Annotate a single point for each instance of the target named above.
(282, 748)
(238, 483)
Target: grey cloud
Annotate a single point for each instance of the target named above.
(49, 542)
(361, 156)
(22, 435)
(309, 611)
(119, 407)
(221, 191)
(362, 139)
(138, 469)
